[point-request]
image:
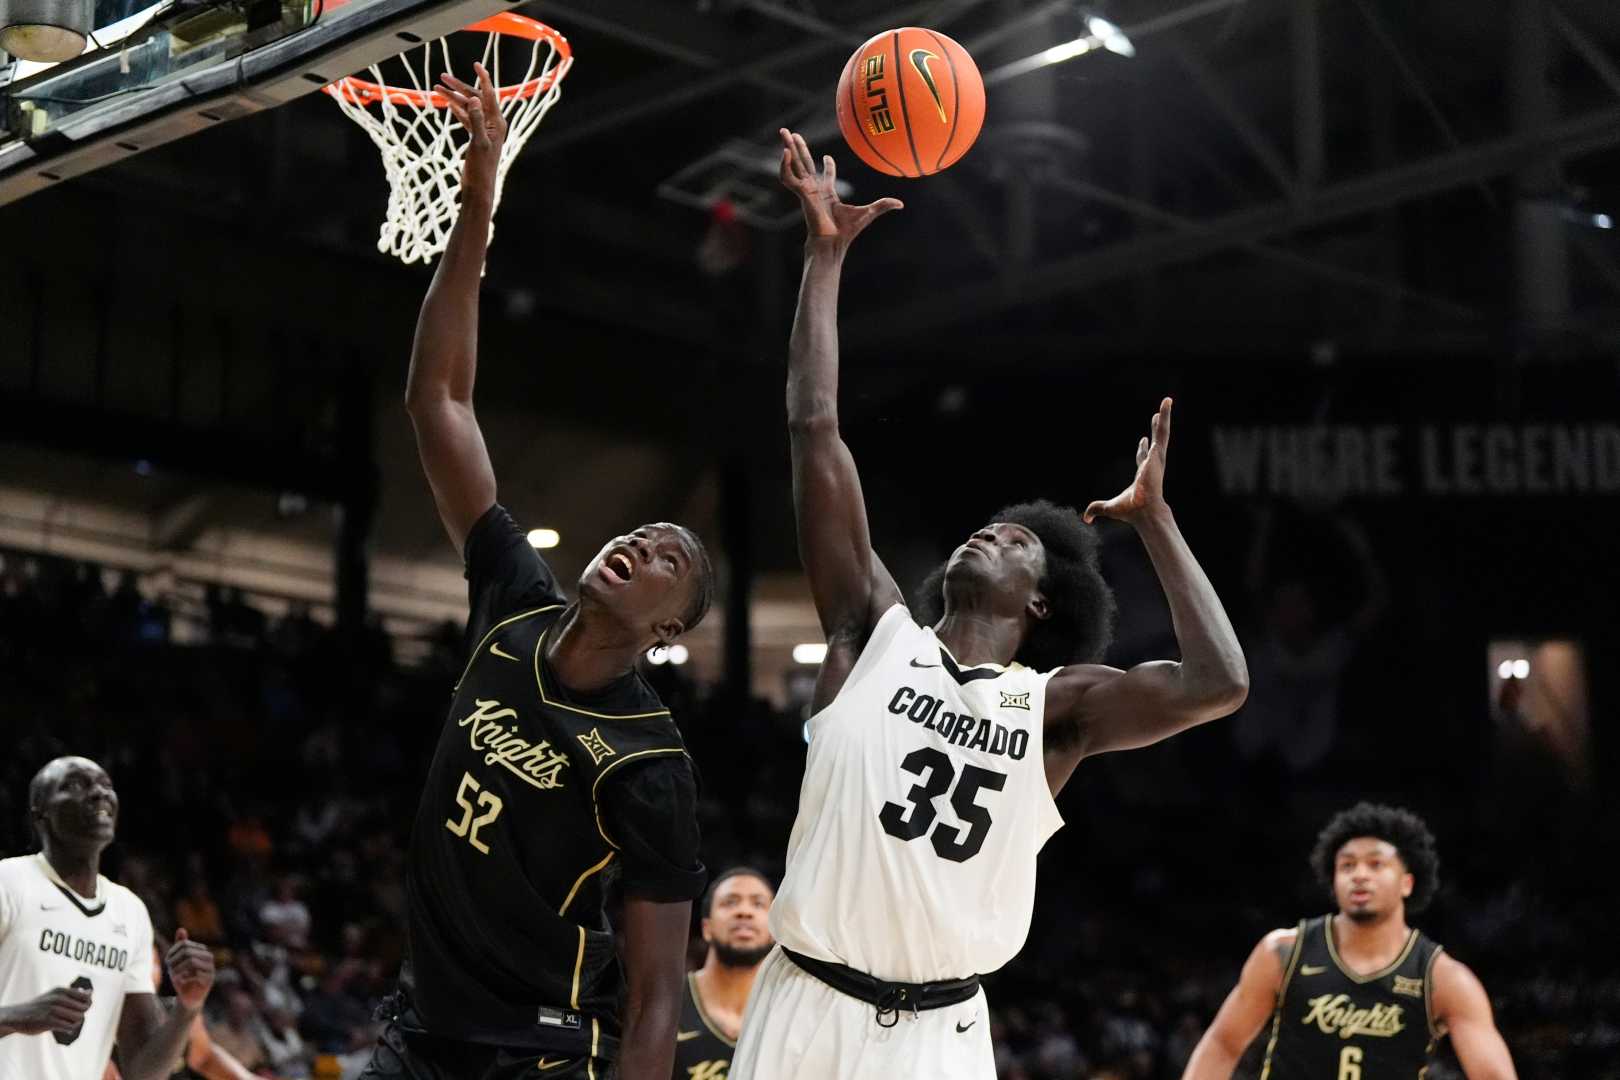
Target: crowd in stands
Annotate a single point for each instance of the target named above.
(269, 777)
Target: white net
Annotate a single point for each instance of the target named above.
(422, 143)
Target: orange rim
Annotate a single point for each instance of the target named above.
(364, 92)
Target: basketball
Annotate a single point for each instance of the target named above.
(910, 102)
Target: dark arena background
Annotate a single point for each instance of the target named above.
(1366, 245)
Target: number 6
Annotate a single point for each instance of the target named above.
(1350, 1063)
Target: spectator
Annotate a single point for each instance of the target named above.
(284, 917)
(197, 912)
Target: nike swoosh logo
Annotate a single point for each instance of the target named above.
(963, 1027)
(919, 60)
(496, 649)
(916, 664)
(1306, 969)
(683, 1036)
(50, 907)
(543, 1065)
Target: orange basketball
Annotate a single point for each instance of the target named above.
(910, 102)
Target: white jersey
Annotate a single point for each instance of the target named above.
(923, 807)
(51, 936)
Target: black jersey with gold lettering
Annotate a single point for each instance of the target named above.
(1331, 1022)
(535, 798)
(701, 1051)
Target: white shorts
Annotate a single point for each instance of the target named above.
(796, 1027)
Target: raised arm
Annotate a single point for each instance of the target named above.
(1092, 709)
(1463, 1009)
(849, 584)
(151, 1039)
(444, 356)
(655, 936)
(1245, 1010)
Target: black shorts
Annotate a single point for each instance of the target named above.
(412, 1055)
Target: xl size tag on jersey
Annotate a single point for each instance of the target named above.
(560, 1018)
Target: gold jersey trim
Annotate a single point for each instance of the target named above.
(1435, 1028)
(569, 899)
(539, 647)
(579, 965)
(473, 655)
(703, 1014)
(1282, 993)
(1333, 951)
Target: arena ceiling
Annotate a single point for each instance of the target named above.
(1267, 182)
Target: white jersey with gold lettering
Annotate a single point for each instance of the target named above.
(923, 807)
(52, 937)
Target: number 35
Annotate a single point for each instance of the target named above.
(468, 826)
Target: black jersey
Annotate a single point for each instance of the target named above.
(701, 1052)
(535, 797)
(1331, 1022)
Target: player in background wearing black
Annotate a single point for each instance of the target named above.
(734, 912)
(1358, 995)
(558, 767)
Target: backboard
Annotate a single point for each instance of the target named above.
(155, 73)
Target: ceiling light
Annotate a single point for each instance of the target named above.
(678, 654)
(1100, 34)
(1521, 669)
(809, 653)
(1110, 36)
(544, 538)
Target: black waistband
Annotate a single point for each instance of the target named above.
(890, 998)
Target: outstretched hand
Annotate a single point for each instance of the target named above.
(825, 214)
(479, 110)
(1146, 491)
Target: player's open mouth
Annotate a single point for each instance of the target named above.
(620, 566)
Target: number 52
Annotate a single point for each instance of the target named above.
(468, 826)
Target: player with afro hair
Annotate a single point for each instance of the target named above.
(1401, 829)
(1358, 992)
(1080, 623)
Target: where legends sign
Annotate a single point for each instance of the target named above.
(1334, 460)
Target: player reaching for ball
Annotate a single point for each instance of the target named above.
(558, 769)
(936, 750)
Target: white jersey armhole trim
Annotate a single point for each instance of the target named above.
(1042, 680)
(883, 635)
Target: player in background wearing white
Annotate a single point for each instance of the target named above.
(935, 752)
(76, 949)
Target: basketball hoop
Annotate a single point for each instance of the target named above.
(422, 143)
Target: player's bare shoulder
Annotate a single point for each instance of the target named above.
(1455, 988)
(1069, 686)
(1280, 944)
(1267, 965)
